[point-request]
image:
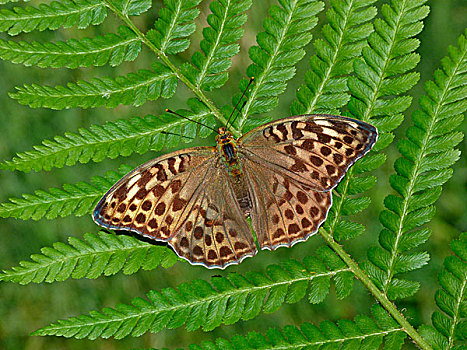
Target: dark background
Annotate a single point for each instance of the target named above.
(23, 309)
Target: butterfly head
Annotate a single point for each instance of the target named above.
(223, 135)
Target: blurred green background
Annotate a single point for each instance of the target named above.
(23, 309)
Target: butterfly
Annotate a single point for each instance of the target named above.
(279, 174)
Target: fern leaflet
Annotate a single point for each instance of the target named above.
(132, 89)
(119, 138)
(66, 14)
(207, 70)
(96, 255)
(97, 51)
(130, 7)
(325, 88)
(174, 25)
(362, 333)
(449, 326)
(381, 76)
(280, 47)
(427, 155)
(223, 300)
(77, 199)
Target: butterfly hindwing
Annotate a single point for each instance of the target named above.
(284, 211)
(215, 233)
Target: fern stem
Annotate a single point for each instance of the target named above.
(456, 317)
(378, 294)
(162, 56)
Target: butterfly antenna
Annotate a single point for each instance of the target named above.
(239, 112)
(243, 94)
(191, 120)
(172, 133)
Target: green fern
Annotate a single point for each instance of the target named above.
(174, 25)
(207, 70)
(96, 255)
(280, 47)
(77, 199)
(97, 51)
(208, 305)
(113, 139)
(132, 89)
(449, 326)
(362, 333)
(325, 88)
(425, 165)
(66, 14)
(376, 82)
(381, 76)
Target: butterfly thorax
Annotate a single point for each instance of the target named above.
(227, 147)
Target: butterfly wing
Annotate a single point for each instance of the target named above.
(291, 165)
(315, 150)
(284, 211)
(215, 233)
(181, 198)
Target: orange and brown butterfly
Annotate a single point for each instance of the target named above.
(279, 174)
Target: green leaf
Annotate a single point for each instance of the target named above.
(381, 77)
(208, 68)
(202, 304)
(77, 199)
(448, 330)
(424, 165)
(325, 88)
(131, 7)
(280, 47)
(132, 89)
(97, 51)
(96, 255)
(174, 25)
(361, 333)
(64, 13)
(119, 138)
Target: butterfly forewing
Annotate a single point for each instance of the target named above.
(316, 150)
(145, 199)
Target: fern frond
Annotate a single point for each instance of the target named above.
(450, 324)
(132, 89)
(65, 13)
(362, 333)
(325, 88)
(119, 138)
(280, 47)
(174, 25)
(427, 154)
(208, 68)
(77, 199)
(223, 300)
(381, 77)
(96, 255)
(97, 51)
